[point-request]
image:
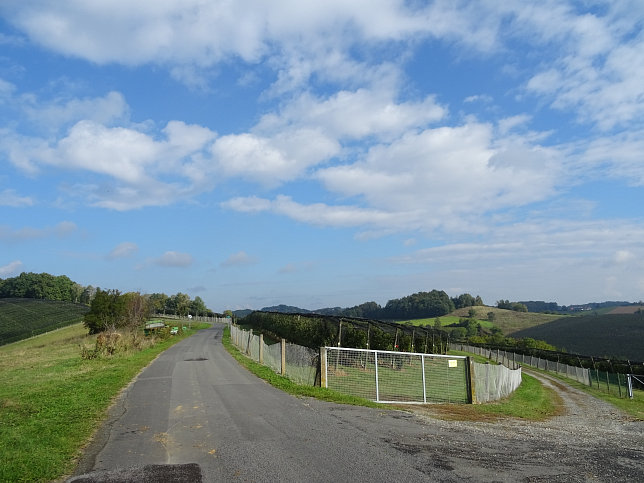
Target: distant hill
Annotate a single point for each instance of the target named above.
(509, 321)
(285, 309)
(21, 318)
(610, 335)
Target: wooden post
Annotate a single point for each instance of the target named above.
(323, 381)
(261, 348)
(471, 393)
(283, 357)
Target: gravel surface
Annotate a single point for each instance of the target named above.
(590, 441)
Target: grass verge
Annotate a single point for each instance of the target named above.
(51, 399)
(530, 402)
(288, 386)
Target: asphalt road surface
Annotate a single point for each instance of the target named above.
(196, 415)
(195, 404)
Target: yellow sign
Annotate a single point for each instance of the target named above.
(452, 363)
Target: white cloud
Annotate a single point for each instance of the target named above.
(11, 268)
(8, 197)
(61, 230)
(58, 113)
(123, 250)
(174, 259)
(239, 259)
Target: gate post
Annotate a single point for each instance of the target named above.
(323, 373)
(469, 377)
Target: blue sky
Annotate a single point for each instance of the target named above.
(255, 153)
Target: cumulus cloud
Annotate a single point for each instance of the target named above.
(123, 250)
(11, 268)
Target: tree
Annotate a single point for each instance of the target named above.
(198, 307)
(181, 303)
(137, 309)
(491, 316)
(105, 311)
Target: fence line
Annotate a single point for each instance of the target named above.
(382, 376)
(513, 360)
(298, 363)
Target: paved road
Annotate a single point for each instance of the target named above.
(195, 404)
(196, 415)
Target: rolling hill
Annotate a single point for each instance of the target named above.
(611, 335)
(21, 318)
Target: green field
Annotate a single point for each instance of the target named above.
(446, 321)
(23, 318)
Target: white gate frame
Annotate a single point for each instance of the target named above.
(375, 356)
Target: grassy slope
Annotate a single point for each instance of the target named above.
(507, 320)
(23, 318)
(51, 400)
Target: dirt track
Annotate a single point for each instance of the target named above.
(590, 441)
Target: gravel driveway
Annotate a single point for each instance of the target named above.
(590, 441)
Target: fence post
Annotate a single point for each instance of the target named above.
(323, 373)
(261, 348)
(471, 393)
(375, 357)
(422, 361)
(283, 357)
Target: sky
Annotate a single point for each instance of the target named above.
(324, 154)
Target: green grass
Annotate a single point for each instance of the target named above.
(21, 318)
(446, 321)
(51, 400)
(288, 386)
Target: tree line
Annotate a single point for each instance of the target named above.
(45, 286)
(315, 331)
(434, 303)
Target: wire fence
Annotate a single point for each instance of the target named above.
(612, 383)
(396, 377)
(381, 376)
(513, 360)
(300, 364)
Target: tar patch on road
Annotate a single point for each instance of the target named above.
(184, 473)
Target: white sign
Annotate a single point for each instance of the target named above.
(452, 363)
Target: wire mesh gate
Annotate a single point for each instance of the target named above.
(396, 377)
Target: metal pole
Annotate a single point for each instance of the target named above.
(422, 359)
(375, 356)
